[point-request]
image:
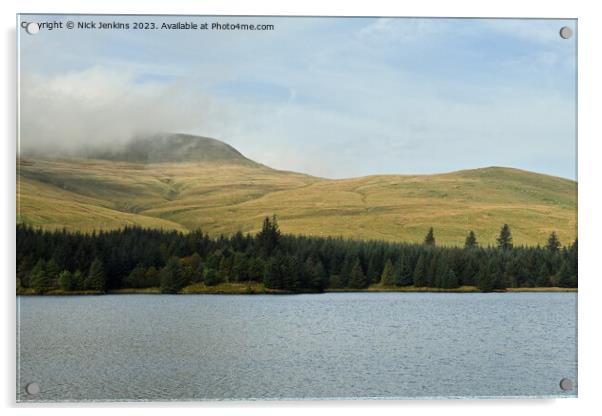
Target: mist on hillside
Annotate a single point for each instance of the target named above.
(98, 111)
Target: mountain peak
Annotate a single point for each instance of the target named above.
(174, 148)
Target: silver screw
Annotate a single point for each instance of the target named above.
(32, 28)
(32, 388)
(566, 32)
(566, 384)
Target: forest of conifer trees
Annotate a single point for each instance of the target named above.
(145, 258)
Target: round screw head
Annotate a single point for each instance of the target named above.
(32, 28)
(566, 32)
(32, 388)
(566, 384)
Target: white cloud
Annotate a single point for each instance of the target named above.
(402, 29)
(96, 108)
(353, 99)
(546, 31)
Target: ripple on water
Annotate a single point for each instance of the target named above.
(159, 347)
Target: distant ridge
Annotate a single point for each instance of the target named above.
(184, 182)
(174, 148)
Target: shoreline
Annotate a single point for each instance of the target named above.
(259, 289)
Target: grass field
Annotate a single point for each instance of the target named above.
(258, 288)
(225, 197)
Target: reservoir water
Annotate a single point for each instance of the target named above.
(336, 345)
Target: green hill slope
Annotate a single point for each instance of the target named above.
(213, 187)
(165, 148)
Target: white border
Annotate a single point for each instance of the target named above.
(590, 68)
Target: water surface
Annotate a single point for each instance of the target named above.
(339, 345)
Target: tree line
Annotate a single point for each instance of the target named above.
(134, 257)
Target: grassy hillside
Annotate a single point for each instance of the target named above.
(233, 194)
(177, 148)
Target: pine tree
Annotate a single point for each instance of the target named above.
(514, 272)
(471, 270)
(429, 239)
(223, 270)
(471, 240)
(504, 241)
(320, 279)
(372, 273)
(272, 278)
(553, 243)
(255, 269)
(431, 270)
(136, 278)
(446, 278)
(450, 280)
(486, 279)
(171, 276)
(211, 277)
(66, 281)
(419, 276)
(96, 279)
(197, 267)
(388, 276)
(357, 278)
(291, 273)
(80, 281)
(52, 273)
(347, 267)
(152, 277)
(403, 274)
(239, 268)
(543, 278)
(564, 276)
(24, 267)
(316, 275)
(269, 236)
(38, 279)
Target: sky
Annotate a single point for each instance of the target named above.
(332, 97)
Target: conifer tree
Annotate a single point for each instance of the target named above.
(136, 278)
(429, 239)
(256, 268)
(450, 280)
(152, 277)
(431, 270)
(553, 243)
(471, 270)
(269, 236)
(211, 277)
(504, 241)
(52, 273)
(223, 270)
(196, 264)
(66, 281)
(388, 276)
(291, 273)
(80, 281)
(372, 272)
(419, 276)
(486, 279)
(239, 268)
(171, 276)
(38, 279)
(272, 277)
(403, 274)
(357, 278)
(96, 279)
(564, 276)
(543, 278)
(316, 275)
(471, 240)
